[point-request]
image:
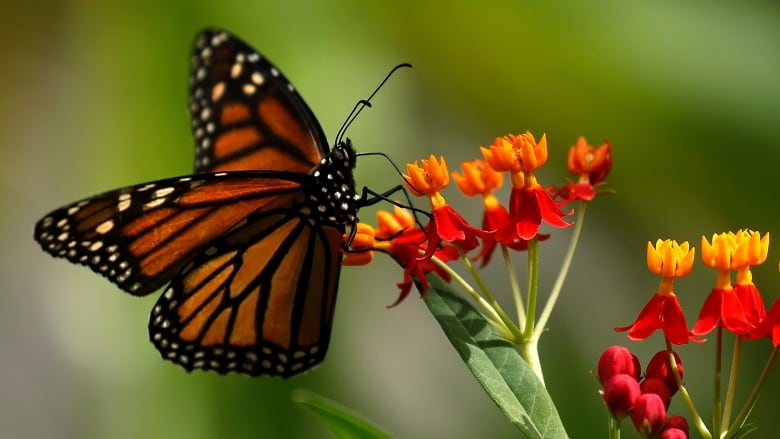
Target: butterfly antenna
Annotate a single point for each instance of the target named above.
(363, 103)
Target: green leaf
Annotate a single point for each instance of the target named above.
(342, 422)
(495, 363)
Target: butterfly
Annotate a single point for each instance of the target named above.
(249, 246)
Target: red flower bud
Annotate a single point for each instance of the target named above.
(673, 433)
(677, 422)
(620, 393)
(616, 360)
(649, 414)
(657, 386)
(659, 367)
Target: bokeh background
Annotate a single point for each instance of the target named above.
(93, 96)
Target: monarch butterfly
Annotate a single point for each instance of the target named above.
(249, 245)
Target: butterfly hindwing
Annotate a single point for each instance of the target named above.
(245, 114)
(141, 236)
(259, 300)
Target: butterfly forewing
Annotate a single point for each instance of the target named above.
(245, 114)
(141, 236)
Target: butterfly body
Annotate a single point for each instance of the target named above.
(249, 245)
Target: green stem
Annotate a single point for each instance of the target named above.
(558, 285)
(751, 401)
(491, 316)
(686, 397)
(533, 286)
(516, 293)
(728, 403)
(614, 427)
(517, 336)
(716, 398)
(530, 342)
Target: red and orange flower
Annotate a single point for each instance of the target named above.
(529, 202)
(670, 260)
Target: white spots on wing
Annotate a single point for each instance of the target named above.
(248, 89)
(217, 91)
(235, 71)
(218, 39)
(123, 205)
(274, 72)
(154, 203)
(105, 227)
(258, 78)
(161, 193)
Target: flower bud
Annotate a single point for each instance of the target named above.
(659, 367)
(657, 386)
(649, 414)
(620, 393)
(616, 360)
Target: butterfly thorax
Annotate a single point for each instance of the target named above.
(335, 201)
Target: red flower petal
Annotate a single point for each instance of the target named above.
(660, 312)
(449, 224)
(709, 316)
(675, 329)
(551, 213)
(752, 303)
(647, 321)
(731, 314)
(524, 213)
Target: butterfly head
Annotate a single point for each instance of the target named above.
(336, 200)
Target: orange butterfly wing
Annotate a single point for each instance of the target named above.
(245, 114)
(260, 301)
(140, 237)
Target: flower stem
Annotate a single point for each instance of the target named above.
(491, 316)
(728, 404)
(507, 322)
(564, 271)
(614, 428)
(716, 398)
(751, 400)
(516, 293)
(686, 397)
(533, 286)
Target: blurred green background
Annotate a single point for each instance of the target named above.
(93, 96)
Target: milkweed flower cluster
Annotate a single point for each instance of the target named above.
(513, 225)
(448, 236)
(734, 307)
